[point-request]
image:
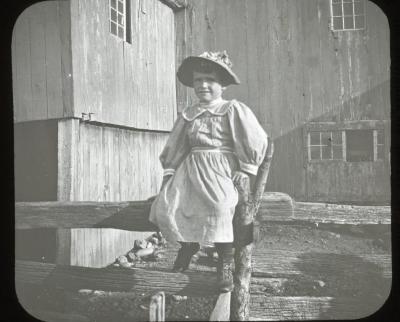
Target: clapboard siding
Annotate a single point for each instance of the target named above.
(102, 163)
(41, 68)
(125, 84)
(294, 70)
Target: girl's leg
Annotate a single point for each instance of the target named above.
(185, 254)
(225, 266)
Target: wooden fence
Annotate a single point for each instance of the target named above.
(268, 266)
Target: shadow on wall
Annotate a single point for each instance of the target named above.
(289, 165)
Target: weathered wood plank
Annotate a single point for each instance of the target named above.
(64, 16)
(115, 279)
(267, 308)
(98, 247)
(53, 60)
(222, 308)
(134, 215)
(276, 263)
(192, 283)
(100, 163)
(38, 61)
(66, 157)
(22, 79)
(84, 215)
(116, 79)
(157, 308)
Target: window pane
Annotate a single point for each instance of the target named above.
(326, 138)
(336, 1)
(348, 9)
(380, 152)
(113, 28)
(121, 32)
(120, 6)
(360, 22)
(348, 23)
(337, 137)
(337, 152)
(337, 23)
(358, 8)
(326, 152)
(314, 138)
(113, 15)
(380, 136)
(121, 19)
(114, 4)
(359, 145)
(348, 1)
(337, 9)
(315, 154)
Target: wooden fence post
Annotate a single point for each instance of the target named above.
(244, 232)
(157, 308)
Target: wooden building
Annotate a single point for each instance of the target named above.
(92, 111)
(95, 95)
(322, 93)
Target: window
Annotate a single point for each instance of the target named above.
(351, 145)
(347, 14)
(120, 14)
(359, 145)
(325, 145)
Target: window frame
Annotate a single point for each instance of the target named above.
(343, 15)
(126, 20)
(373, 125)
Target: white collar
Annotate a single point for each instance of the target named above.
(217, 107)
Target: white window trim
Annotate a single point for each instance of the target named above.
(309, 145)
(124, 20)
(353, 16)
(344, 146)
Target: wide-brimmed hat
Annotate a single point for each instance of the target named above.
(219, 60)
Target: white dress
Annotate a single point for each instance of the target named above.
(208, 143)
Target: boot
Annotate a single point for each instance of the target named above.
(185, 255)
(225, 267)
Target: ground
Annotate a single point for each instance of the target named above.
(330, 259)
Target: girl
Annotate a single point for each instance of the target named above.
(213, 145)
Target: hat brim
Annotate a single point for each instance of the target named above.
(191, 63)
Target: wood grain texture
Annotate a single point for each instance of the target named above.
(102, 163)
(99, 247)
(134, 215)
(192, 283)
(129, 84)
(294, 70)
(115, 279)
(266, 308)
(41, 59)
(222, 308)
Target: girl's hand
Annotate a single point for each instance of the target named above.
(238, 177)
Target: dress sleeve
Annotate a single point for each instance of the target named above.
(176, 148)
(250, 139)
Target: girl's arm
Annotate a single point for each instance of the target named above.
(250, 139)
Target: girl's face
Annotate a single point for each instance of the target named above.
(207, 86)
